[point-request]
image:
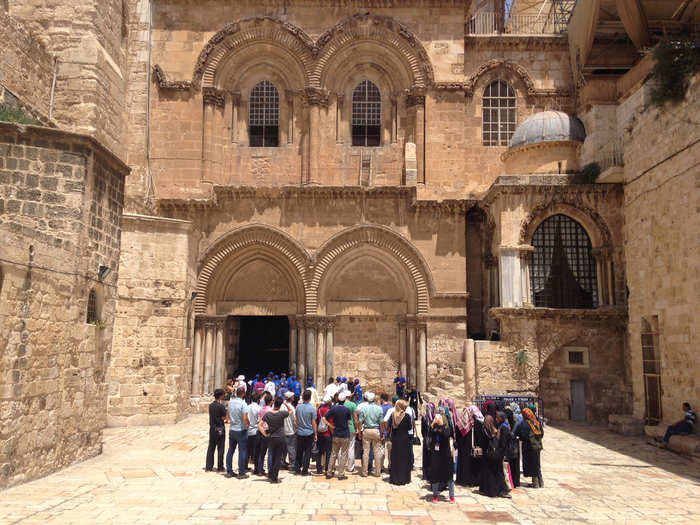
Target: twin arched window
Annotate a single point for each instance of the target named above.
(562, 268)
(366, 114)
(499, 114)
(264, 115)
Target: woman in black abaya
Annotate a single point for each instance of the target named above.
(400, 473)
(492, 482)
(469, 434)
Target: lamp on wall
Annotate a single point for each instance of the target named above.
(194, 296)
(103, 272)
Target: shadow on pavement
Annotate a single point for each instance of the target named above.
(634, 447)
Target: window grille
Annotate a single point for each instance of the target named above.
(652, 370)
(91, 316)
(366, 114)
(576, 358)
(499, 117)
(562, 269)
(264, 116)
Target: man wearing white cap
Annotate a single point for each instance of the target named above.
(240, 383)
(371, 417)
(340, 415)
(290, 431)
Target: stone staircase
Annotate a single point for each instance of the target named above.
(447, 383)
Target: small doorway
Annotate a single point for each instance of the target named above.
(578, 401)
(263, 345)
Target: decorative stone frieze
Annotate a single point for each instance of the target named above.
(164, 83)
(213, 96)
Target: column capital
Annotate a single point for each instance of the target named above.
(213, 96)
(315, 96)
(235, 97)
(209, 320)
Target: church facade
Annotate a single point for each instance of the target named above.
(363, 188)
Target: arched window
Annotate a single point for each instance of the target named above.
(562, 269)
(499, 114)
(366, 114)
(264, 116)
(91, 316)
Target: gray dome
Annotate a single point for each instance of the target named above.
(548, 126)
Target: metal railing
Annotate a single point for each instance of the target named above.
(613, 154)
(490, 24)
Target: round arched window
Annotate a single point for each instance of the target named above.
(366, 114)
(562, 268)
(499, 114)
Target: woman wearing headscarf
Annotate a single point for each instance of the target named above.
(513, 451)
(444, 410)
(530, 433)
(441, 465)
(426, 423)
(400, 473)
(492, 483)
(490, 408)
(469, 434)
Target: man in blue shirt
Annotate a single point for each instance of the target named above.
(338, 419)
(238, 434)
(306, 433)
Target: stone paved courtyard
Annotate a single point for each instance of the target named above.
(154, 475)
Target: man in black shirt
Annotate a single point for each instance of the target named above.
(217, 432)
(275, 431)
(338, 419)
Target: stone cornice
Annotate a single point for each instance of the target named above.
(539, 146)
(608, 315)
(213, 96)
(162, 80)
(516, 42)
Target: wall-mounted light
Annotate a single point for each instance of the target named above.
(103, 272)
(194, 296)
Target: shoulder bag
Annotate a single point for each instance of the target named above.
(477, 452)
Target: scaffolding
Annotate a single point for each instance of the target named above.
(560, 14)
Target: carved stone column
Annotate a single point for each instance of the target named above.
(235, 107)
(315, 98)
(402, 348)
(422, 349)
(197, 357)
(320, 371)
(209, 341)
(469, 369)
(411, 338)
(301, 348)
(330, 322)
(219, 355)
(292, 344)
(212, 98)
(310, 350)
(416, 101)
(601, 266)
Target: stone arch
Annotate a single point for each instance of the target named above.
(293, 42)
(254, 242)
(588, 218)
(364, 28)
(504, 65)
(389, 242)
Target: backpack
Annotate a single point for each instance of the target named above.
(322, 426)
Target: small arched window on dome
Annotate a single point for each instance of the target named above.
(264, 115)
(499, 114)
(91, 315)
(366, 114)
(562, 267)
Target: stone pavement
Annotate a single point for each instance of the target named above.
(154, 475)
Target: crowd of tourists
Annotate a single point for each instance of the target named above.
(276, 424)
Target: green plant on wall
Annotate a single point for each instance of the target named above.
(676, 63)
(13, 114)
(100, 325)
(521, 359)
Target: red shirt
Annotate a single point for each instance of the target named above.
(322, 411)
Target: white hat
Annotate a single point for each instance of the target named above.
(370, 396)
(288, 395)
(241, 378)
(327, 399)
(342, 395)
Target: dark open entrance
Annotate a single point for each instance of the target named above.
(264, 345)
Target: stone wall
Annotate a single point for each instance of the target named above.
(27, 69)
(542, 336)
(150, 373)
(89, 39)
(61, 198)
(662, 198)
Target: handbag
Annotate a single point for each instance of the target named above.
(477, 452)
(416, 441)
(314, 449)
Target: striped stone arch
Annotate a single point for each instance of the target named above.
(383, 29)
(261, 29)
(285, 248)
(385, 239)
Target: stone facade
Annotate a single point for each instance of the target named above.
(61, 198)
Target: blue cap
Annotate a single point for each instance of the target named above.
(343, 379)
(338, 378)
(257, 376)
(276, 376)
(309, 381)
(357, 381)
